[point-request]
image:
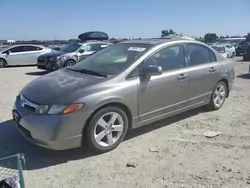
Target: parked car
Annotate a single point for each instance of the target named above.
(72, 53)
(241, 47)
(221, 49)
(246, 55)
(24, 54)
(230, 50)
(122, 87)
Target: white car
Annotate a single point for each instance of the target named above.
(221, 49)
(24, 54)
(230, 50)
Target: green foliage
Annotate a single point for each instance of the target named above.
(210, 37)
(167, 32)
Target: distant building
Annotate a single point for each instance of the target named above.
(7, 41)
(11, 41)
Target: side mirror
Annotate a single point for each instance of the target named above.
(81, 51)
(152, 70)
(7, 52)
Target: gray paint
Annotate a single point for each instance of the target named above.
(147, 100)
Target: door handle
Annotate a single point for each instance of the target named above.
(182, 76)
(212, 69)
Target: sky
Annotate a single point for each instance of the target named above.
(66, 19)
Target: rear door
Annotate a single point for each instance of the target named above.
(204, 72)
(31, 54)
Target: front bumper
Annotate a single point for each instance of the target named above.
(48, 65)
(55, 132)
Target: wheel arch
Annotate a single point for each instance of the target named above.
(6, 63)
(227, 84)
(116, 103)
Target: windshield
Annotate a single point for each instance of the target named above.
(113, 59)
(220, 49)
(72, 47)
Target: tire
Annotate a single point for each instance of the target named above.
(69, 63)
(216, 93)
(233, 54)
(3, 63)
(93, 130)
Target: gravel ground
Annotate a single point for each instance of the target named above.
(170, 153)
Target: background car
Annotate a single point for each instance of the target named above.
(21, 54)
(240, 48)
(221, 49)
(230, 50)
(125, 86)
(72, 53)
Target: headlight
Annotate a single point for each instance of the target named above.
(58, 109)
(53, 58)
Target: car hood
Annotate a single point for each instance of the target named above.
(52, 54)
(59, 87)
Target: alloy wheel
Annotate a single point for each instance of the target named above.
(108, 129)
(219, 95)
(2, 63)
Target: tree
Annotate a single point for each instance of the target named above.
(210, 37)
(166, 32)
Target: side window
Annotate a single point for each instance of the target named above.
(169, 58)
(229, 46)
(17, 49)
(87, 48)
(31, 48)
(212, 56)
(197, 54)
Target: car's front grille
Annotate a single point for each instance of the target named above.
(25, 105)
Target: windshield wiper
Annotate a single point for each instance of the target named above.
(85, 71)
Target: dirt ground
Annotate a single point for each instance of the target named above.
(171, 153)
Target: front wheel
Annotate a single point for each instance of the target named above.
(69, 63)
(106, 129)
(2, 63)
(218, 96)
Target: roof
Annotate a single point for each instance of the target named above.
(155, 41)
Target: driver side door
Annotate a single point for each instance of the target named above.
(162, 95)
(15, 55)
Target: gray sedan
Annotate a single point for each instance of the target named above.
(125, 86)
(24, 54)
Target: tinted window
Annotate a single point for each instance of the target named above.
(168, 58)
(197, 54)
(31, 48)
(17, 49)
(229, 46)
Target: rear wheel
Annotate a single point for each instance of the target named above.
(233, 54)
(218, 96)
(3, 63)
(106, 129)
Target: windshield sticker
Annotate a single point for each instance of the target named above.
(137, 49)
(103, 46)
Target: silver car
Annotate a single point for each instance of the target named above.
(122, 87)
(222, 50)
(24, 54)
